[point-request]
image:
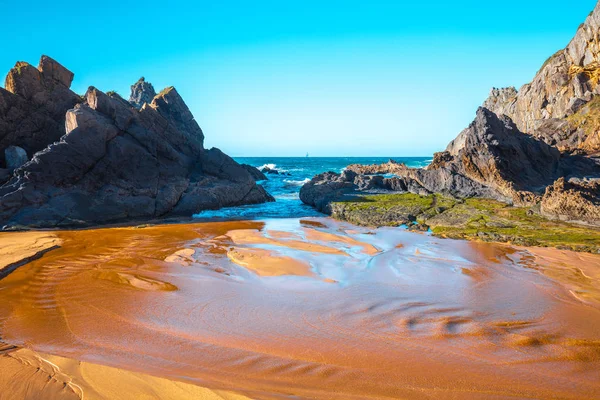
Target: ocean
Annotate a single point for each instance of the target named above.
(285, 188)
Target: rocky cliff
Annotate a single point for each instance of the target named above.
(33, 106)
(109, 161)
(535, 147)
(552, 105)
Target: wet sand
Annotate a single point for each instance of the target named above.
(19, 248)
(25, 374)
(312, 309)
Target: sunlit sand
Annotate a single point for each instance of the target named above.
(312, 309)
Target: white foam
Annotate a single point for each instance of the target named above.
(296, 183)
(270, 166)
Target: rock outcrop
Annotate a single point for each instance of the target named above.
(115, 163)
(576, 200)
(493, 152)
(567, 81)
(141, 92)
(391, 167)
(272, 171)
(33, 105)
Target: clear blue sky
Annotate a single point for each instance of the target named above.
(333, 78)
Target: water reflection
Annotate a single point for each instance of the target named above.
(311, 307)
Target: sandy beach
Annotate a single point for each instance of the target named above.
(309, 308)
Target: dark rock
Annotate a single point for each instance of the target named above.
(324, 189)
(255, 172)
(33, 106)
(119, 164)
(15, 157)
(5, 175)
(493, 152)
(273, 171)
(53, 71)
(141, 92)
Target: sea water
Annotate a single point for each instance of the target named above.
(285, 187)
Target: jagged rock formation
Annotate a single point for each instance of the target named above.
(493, 152)
(33, 105)
(567, 81)
(490, 159)
(141, 92)
(575, 200)
(115, 163)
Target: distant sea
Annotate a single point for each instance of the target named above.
(285, 188)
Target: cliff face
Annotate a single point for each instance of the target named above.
(114, 162)
(552, 104)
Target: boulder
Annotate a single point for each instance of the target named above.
(141, 92)
(15, 157)
(116, 163)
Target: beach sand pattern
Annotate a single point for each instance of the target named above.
(309, 308)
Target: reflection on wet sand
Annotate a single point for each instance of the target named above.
(314, 309)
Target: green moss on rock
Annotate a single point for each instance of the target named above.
(471, 219)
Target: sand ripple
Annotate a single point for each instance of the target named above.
(313, 309)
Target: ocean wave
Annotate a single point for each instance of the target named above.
(270, 166)
(273, 167)
(292, 182)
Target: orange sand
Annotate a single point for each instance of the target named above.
(265, 263)
(253, 237)
(17, 247)
(27, 375)
(369, 319)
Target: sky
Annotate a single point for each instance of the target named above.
(286, 78)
